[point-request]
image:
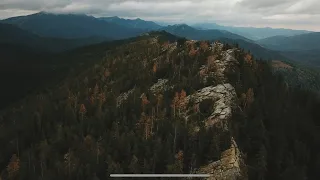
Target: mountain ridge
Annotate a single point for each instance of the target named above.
(253, 33)
(71, 26)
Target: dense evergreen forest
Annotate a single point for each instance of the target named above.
(105, 117)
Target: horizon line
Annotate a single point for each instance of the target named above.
(163, 22)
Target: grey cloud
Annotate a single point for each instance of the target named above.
(231, 12)
(263, 4)
(33, 4)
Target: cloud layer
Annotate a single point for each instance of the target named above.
(296, 14)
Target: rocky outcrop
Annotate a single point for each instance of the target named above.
(160, 86)
(123, 97)
(230, 166)
(222, 97)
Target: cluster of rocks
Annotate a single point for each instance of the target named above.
(160, 86)
(228, 167)
(123, 97)
(223, 97)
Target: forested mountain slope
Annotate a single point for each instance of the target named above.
(189, 32)
(308, 41)
(11, 34)
(157, 106)
(73, 26)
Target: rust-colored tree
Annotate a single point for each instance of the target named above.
(154, 68)
(144, 102)
(182, 100)
(249, 97)
(175, 103)
(107, 73)
(145, 124)
(204, 46)
(192, 51)
(248, 59)
(165, 45)
(13, 166)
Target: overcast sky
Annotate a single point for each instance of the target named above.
(294, 14)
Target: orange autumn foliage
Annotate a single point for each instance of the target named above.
(102, 97)
(165, 45)
(13, 166)
(83, 109)
(248, 59)
(145, 123)
(154, 69)
(179, 156)
(92, 98)
(175, 100)
(179, 100)
(204, 46)
(192, 51)
(144, 101)
(249, 96)
(106, 73)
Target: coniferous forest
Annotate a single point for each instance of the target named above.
(106, 116)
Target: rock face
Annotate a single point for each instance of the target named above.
(230, 166)
(222, 96)
(160, 86)
(123, 97)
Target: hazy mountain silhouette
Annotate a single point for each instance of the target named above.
(133, 23)
(252, 32)
(71, 26)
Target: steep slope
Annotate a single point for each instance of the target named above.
(152, 105)
(25, 70)
(184, 30)
(71, 26)
(251, 32)
(309, 41)
(257, 50)
(310, 58)
(10, 34)
(133, 23)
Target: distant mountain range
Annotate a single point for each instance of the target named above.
(132, 23)
(304, 48)
(308, 41)
(71, 26)
(252, 32)
(189, 32)
(60, 32)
